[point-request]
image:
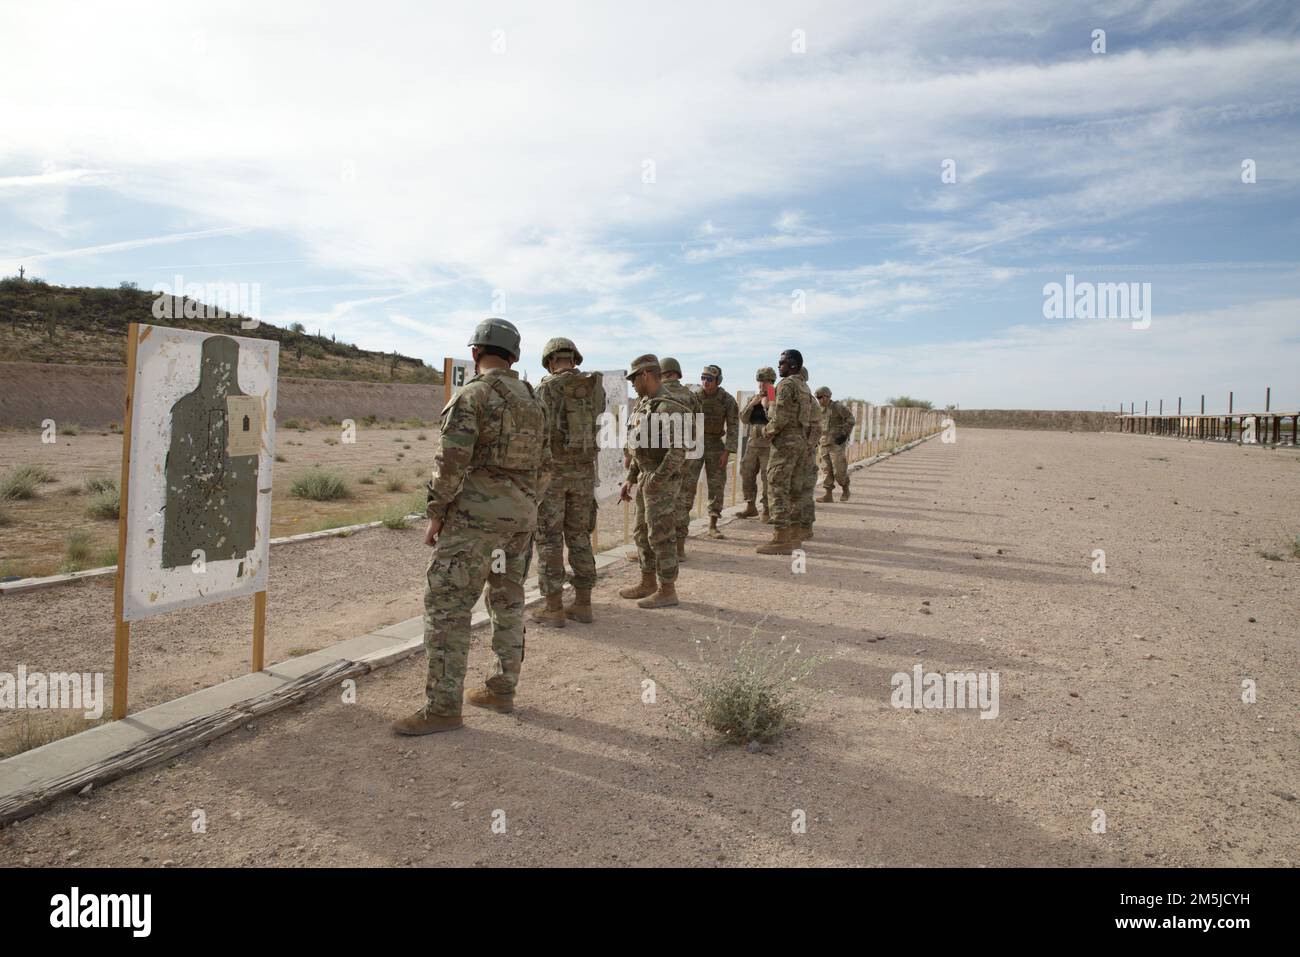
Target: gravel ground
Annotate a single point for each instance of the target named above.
(1120, 692)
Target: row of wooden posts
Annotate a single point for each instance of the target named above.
(1265, 428)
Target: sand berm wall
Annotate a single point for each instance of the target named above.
(93, 396)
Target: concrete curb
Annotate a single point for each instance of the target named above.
(36, 769)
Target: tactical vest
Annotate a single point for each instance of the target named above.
(519, 443)
(715, 413)
(573, 433)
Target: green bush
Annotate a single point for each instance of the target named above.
(99, 483)
(21, 483)
(106, 504)
(321, 485)
(77, 551)
(751, 693)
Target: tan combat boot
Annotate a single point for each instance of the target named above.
(633, 557)
(804, 533)
(826, 495)
(580, 610)
(491, 701)
(420, 723)
(648, 586)
(552, 613)
(713, 528)
(844, 495)
(749, 512)
(681, 549)
(663, 598)
(779, 545)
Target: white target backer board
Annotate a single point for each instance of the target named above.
(202, 446)
(609, 461)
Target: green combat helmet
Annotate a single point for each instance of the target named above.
(823, 391)
(560, 344)
(766, 374)
(499, 333)
(668, 364)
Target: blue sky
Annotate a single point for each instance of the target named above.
(391, 174)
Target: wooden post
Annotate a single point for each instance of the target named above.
(121, 627)
(259, 631)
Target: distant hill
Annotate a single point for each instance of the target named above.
(86, 325)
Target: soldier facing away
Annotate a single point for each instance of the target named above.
(490, 470)
(721, 417)
(566, 515)
(656, 470)
(753, 463)
(672, 381)
(787, 429)
(837, 427)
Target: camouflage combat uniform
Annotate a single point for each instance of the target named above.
(566, 515)
(806, 509)
(721, 433)
(657, 473)
(685, 496)
(487, 475)
(837, 427)
(787, 430)
(754, 462)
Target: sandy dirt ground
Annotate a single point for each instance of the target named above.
(1120, 692)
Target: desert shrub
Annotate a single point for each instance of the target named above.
(280, 458)
(1295, 547)
(748, 692)
(414, 422)
(422, 437)
(99, 483)
(366, 480)
(106, 504)
(76, 551)
(330, 440)
(70, 428)
(5, 518)
(320, 485)
(395, 483)
(19, 483)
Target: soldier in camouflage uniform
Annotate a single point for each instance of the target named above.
(837, 427)
(490, 469)
(721, 433)
(656, 457)
(787, 428)
(754, 462)
(672, 382)
(574, 401)
(805, 509)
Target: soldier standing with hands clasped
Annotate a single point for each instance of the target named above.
(837, 426)
(754, 462)
(655, 467)
(721, 416)
(490, 470)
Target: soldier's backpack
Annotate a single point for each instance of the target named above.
(519, 446)
(575, 431)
